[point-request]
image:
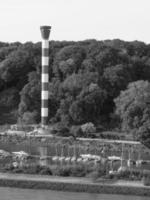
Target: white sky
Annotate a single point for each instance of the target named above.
(75, 19)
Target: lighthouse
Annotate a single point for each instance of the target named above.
(45, 32)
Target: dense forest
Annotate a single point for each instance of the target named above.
(105, 83)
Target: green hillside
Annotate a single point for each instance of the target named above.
(102, 82)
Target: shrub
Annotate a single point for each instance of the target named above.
(45, 171)
(17, 170)
(60, 170)
(88, 129)
(61, 129)
(78, 170)
(33, 169)
(76, 131)
(146, 178)
(93, 175)
(110, 135)
(98, 172)
(70, 170)
(146, 181)
(8, 167)
(129, 174)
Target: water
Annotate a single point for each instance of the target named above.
(29, 194)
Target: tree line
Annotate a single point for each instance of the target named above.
(105, 83)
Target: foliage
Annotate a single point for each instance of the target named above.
(146, 178)
(16, 66)
(76, 131)
(112, 135)
(30, 99)
(9, 97)
(132, 105)
(88, 128)
(61, 129)
(144, 134)
(100, 171)
(78, 170)
(130, 174)
(85, 78)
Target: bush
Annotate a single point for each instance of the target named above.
(78, 170)
(70, 170)
(18, 170)
(88, 129)
(144, 134)
(33, 169)
(60, 170)
(93, 175)
(8, 167)
(146, 178)
(76, 131)
(111, 135)
(98, 172)
(45, 171)
(61, 130)
(128, 174)
(146, 181)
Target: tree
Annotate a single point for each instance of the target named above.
(132, 105)
(9, 98)
(76, 131)
(29, 117)
(5, 51)
(116, 78)
(88, 65)
(144, 134)
(88, 128)
(14, 69)
(75, 83)
(85, 77)
(30, 98)
(68, 60)
(88, 105)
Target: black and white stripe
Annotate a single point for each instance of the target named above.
(45, 31)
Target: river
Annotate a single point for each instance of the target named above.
(29, 194)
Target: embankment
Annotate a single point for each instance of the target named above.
(70, 184)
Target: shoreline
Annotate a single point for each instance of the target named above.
(72, 184)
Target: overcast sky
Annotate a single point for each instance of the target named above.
(75, 19)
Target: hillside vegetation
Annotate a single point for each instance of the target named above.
(102, 82)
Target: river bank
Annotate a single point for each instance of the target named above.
(73, 184)
(8, 193)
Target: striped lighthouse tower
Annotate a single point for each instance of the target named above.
(45, 32)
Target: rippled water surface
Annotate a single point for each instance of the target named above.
(27, 194)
